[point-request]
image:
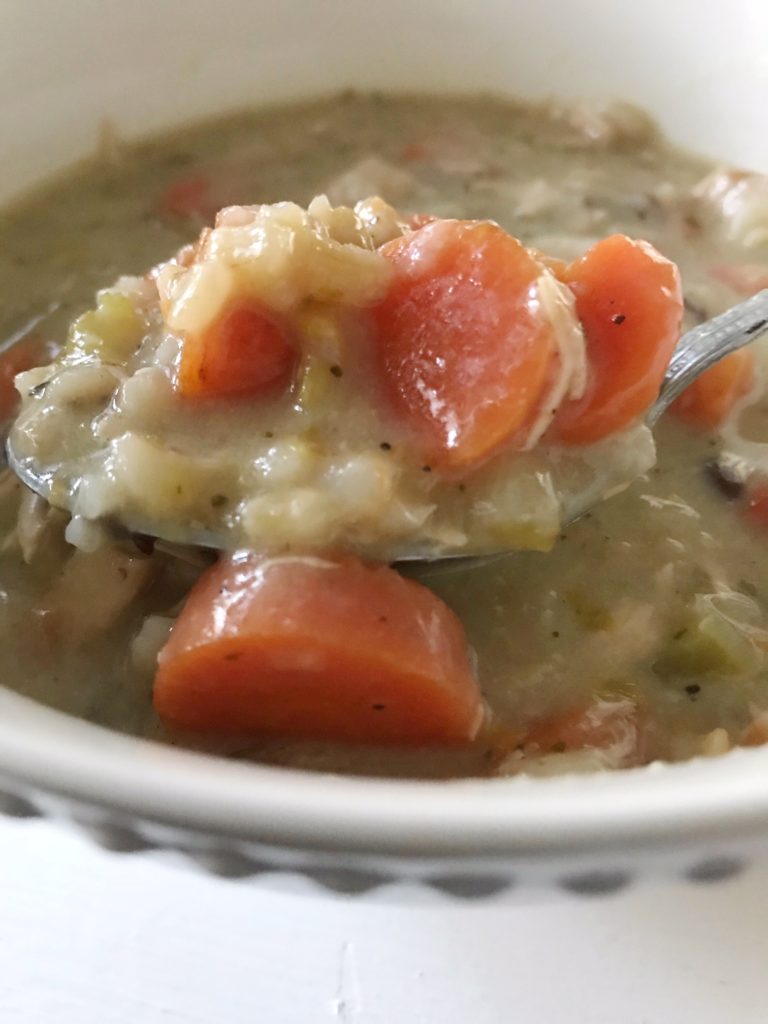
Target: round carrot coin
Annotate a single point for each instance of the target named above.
(461, 351)
(324, 648)
(630, 304)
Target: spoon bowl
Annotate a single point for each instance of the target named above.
(697, 351)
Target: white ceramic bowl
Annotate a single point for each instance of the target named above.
(702, 69)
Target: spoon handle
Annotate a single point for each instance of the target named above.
(705, 345)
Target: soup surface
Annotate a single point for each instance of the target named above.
(317, 378)
(642, 634)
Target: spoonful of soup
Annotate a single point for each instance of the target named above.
(409, 388)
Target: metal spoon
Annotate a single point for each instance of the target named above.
(697, 351)
(703, 346)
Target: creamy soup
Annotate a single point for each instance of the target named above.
(640, 634)
(257, 391)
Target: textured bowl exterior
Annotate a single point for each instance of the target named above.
(341, 874)
(705, 76)
(468, 839)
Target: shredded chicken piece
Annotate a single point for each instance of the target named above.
(736, 202)
(9, 485)
(38, 525)
(93, 591)
(605, 124)
(576, 762)
(147, 643)
(371, 176)
(557, 304)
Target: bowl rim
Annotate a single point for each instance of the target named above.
(52, 753)
(58, 759)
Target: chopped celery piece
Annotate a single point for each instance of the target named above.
(590, 615)
(523, 535)
(519, 513)
(710, 643)
(111, 331)
(618, 689)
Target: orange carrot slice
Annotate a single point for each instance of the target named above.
(198, 195)
(461, 355)
(616, 725)
(757, 504)
(630, 304)
(437, 147)
(756, 733)
(245, 351)
(708, 401)
(324, 648)
(188, 197)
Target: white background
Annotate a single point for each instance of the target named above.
(93, 938)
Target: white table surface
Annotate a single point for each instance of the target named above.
(93, 938)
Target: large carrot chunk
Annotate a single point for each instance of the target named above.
(324, 648)
(461, 352)
(245, 351)
(707, 402)
(630, 304)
